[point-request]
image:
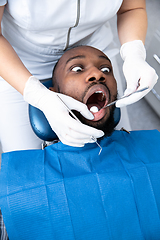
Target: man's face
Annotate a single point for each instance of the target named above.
(85, 74)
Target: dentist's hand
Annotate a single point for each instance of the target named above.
(68, 130)
(138, 73)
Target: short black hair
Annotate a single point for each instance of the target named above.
(53, 72)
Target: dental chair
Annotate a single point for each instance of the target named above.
(41, 126)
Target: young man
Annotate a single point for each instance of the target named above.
(65, 192)
(86, 74)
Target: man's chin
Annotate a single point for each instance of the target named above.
(106, 124)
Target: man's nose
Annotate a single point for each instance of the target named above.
(95, 75)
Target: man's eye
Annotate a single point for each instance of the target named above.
(105, 69)
(76, 69)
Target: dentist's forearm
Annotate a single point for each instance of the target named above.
(11, 67)
(132, 21)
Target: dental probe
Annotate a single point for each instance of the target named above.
(75, 117)
(137, 91)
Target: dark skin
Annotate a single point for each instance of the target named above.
(85, 73)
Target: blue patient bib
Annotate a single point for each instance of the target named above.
(69, 193)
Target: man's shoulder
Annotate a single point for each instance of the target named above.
(138, 135)
(137, 132)
(144, 144)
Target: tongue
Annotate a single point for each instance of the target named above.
(95, 102)
(97, 111)
(93, 107)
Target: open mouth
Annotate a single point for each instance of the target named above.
(96, 101)
(96, 98)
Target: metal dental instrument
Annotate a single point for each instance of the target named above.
(74, 116)
(137, 91)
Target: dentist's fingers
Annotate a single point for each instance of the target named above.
(137, 71)
(131, 99)
(68, 140)
(147, 80)
(82, 128)
(78, 106)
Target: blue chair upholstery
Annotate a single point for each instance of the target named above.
(41, 126)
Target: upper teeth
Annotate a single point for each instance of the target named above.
(102, 96)
(98, 92)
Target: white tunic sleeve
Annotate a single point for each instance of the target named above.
(3, 2)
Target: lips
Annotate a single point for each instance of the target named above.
(97, 97)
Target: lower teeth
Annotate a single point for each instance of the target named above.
(94, 109)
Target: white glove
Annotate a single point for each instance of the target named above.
(138, 73)
(68, 130)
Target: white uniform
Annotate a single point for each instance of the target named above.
(40, 31)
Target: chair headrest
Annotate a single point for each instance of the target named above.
(41, 126)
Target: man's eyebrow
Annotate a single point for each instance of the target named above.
(105, 57)
(75, 57)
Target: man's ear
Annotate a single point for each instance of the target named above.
(52, 89)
